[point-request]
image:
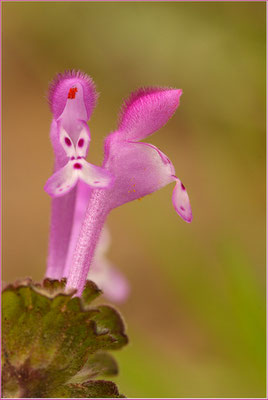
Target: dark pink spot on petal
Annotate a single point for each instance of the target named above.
(182, 186)
(78, 158)
(72, 158)
(182, 208)
(96, 181)
(77, 166)
(67, 141)
(81, 143)
(61, 190)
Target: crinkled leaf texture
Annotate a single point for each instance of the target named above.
(54, 345)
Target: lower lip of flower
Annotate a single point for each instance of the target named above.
(77, 166)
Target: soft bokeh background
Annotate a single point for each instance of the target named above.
(196, 314)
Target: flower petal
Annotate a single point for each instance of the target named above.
(139, 169)
(62, 93)
(83, 142)
(66, 143)
(96, 177)
(146, 111)
(62, 181)
(181, 202)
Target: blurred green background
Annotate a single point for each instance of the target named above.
(196, 314)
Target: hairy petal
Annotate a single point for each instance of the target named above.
(60, 94)
(146, 111)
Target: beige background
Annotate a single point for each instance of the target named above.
(196, 314)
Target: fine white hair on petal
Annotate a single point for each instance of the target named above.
(146, 111)
(90, 94)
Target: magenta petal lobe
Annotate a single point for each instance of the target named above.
(62, 181)
(181, 201)
(96, 177)
(146, 111)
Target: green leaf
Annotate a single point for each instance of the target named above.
(98, 364)
(53, 340)
(110, 323)
(90, 389)
(91, 291)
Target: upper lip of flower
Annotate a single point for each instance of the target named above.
(73, 136)
(59, 90)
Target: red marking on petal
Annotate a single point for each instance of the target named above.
(72, 158)
(71, 94)
(77, 166)
(81, 143)
(89, 91)
(96, 181)
(182, 186)
(182, 208)
(67, 141)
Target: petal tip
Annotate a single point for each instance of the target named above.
(61, 182)
(147, 110)
(54, 193)
(188, 220)
(56, 87)
(181, 202)
(180, 92)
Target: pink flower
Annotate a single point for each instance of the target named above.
(83, 194)
(72, 97)
(137, 168)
